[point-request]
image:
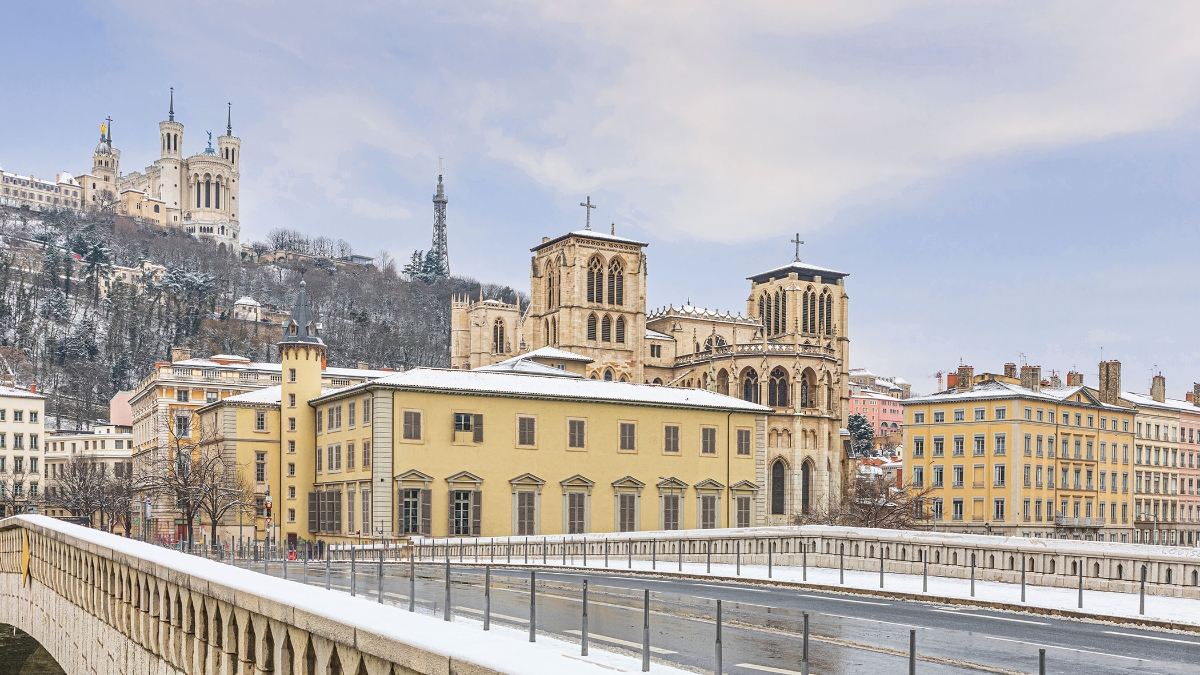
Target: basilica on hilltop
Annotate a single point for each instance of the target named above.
(789, 350)
(198, 194)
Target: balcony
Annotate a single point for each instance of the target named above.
(1069, 521)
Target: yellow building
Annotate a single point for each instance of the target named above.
(1009, 455)
(519, 448)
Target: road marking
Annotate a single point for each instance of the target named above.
(1152, 637)
(988, 616)
(857, 602)
(618, 641)
(859, 618)
(767, 669)
(472, 610)
(1066, 649)
(732, 588)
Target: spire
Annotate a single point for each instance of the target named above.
(301, 326)
(229, 120)
(109, 137)
(171, 112)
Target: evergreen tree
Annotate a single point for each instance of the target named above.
(862, 432)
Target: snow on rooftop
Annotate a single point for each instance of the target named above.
(247, 300)
(555, 353)
(508, 384)
(655, 335)
(589, 234)
(995, 389)
(18, 393)
(1148, 401)
(265, 395)
(801, 270)
(526, 366)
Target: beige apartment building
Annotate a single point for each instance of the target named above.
(22, 415)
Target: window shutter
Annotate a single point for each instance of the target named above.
(320, 512)
(476, 512)
(337, 511)
(426, 513)
(478, 425)
(312, 512)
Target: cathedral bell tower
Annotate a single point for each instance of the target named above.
(302, 358)
(170, 133)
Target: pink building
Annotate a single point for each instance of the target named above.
(883, 411)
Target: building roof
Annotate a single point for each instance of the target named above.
(802, 270)
(655, 335)
(991, 390)
(556, 354)
(871, 393)
(589, 234)
(301, 326)
(19, 393)
(525, 366)
(1147, 401)
(247, 300)
(266, 395)
(242, 363)
(561, 388)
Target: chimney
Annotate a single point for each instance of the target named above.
(1196, 393)
(1158, 388)
(1110, 381)
(363, 365)
(951, 382)
(33, 387)
(1190, 397)
(180, 354)
(1055, 381)
(1031, 377)
(1074, 379)
(1010, 370)
(966, 378)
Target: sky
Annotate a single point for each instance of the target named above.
(1002, 181)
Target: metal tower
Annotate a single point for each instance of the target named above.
(440, 248)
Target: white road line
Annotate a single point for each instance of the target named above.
(857, 602)
(618, 641)
(768, 669)
(987, 616)
(1152, 637)
(731, 588)
(472, 610)
(859, 618)
(1065, 649)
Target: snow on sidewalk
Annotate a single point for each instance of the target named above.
(1107, 603)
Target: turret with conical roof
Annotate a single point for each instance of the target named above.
(171, 134)
(301, 326)
(302, 359)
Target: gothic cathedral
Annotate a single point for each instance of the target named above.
(789, 351)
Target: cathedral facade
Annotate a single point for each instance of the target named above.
(789, 350)
(198, 194)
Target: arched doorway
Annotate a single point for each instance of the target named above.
(778, 471)
(806, 486)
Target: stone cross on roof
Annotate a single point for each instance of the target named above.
(797, 242)
(589, 206)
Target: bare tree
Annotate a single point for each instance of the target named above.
(120, 498)
(225, 489)
(178, 475)
(875, 501)
(78, 487)
(13, 498)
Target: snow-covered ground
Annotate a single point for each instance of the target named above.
(1105, 603)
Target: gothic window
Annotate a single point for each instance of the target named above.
(777, 484)
(591, 326)
(783, 311)
(762, 312)
(777, 389)
(232, 153)
(608, 376)
(804, 312)
(217, 194)
(812, 312)
(723, 382)
(776, 318)
(550, 301)
(828, 314)
(606, 329)
(595, 281)
(546, 332)
(554, 330)
(821, 314)
(805, 400)
(806, 486)
(198, 190)
(176, 144)
(766, 319)
(616, 283)
(621, 329)
(750, 386)
(498, 337)
(207, 193)
(713, 341)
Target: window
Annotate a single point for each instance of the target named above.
(576, 512)
(708, 440)
(260, 421)
(527, 431)
(958, 476)
(959, 446)
(291, 447)
(671, 438)
(412, 425)
(627, 512)
(410, 511)
(33, 416)
(1029, 475)
(956, 509)
(366, 454)
(181, 395)
(1028, 445)
(320, 420)
(591, 327)
(606, 329)
(260, 467)
(1001, 413)
(979, 414)
(291, 374)
(366, 411)
(670, 515)
(999, 475)
(291, 424)
(939, 476)
(526, 510)
(291, 469)
(743, 441)
(918, 418)
(351, 413)
(349, 456)
(918, 479)
(628, 434)
(980, 445)
(183, 426)
(576, 434)
(708, 512)
(918, 447)
(1001, 444)
(291, 492)
(939, 446)
(998, 509)
(318, 456)
(939, 417)
(960, 415)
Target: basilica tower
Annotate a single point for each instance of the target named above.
(168, 169)
(229, 147)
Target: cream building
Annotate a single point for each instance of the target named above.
(22, 419)
(198, 193)
(31, 192)
(789, 351)
(110, 445)
(1160, 479)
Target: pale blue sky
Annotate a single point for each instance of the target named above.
(998, 179)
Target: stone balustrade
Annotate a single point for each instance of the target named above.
(1170, 571)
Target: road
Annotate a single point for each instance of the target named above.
(763, 626)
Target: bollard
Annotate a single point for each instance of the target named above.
(646, 631)
(564, 551)
(487, 598)
(380, 577)
(460, 549)
(532, 605)
(354, 576)
(912, 651)
(1041, 662)
(491, 550)
(972, 575)
(804, 653)
(925, 574)
(1080, 584)
(629, 550)
(717, 669)
(680, 555)
(412, 581)
(508, 550)
(841, 564)
(446, 612)
(326, 569)
(653, 554)
(584, 633)
(304, 566)
(770, 551)
(739, 557)
(606, 553)
(585, 552)
(708, 558)
(1023, 566)
(804, 562)
(1142, 593)
(881, 567)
